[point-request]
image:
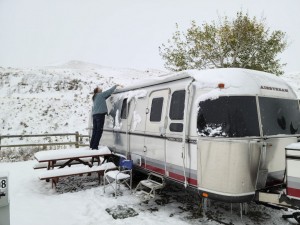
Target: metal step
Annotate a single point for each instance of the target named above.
(146, 189)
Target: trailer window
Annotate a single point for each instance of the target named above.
(279, 116)
(156, 109)
(234, 116)
(176, 127)
(177, 105)
(124, 110)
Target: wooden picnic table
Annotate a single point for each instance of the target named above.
(68, 157)
(76, 154)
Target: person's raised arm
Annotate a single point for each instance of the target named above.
(108, 93)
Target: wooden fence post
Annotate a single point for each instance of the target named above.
(77, 139)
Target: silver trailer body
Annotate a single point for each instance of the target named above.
(293, 171)
(221, 131)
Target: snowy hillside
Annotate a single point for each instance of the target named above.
(56, 99)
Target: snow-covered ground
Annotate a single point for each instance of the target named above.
(34, 202)
(57, 99)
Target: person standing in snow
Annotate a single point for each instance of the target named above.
(99, 111)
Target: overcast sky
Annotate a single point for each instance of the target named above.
(122, 33)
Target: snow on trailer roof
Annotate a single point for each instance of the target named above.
(160, 80)
(236, 81)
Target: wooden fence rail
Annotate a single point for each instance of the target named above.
(77, 140)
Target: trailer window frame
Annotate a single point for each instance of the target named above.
(176, 127)
(282, 116)
(124, 110)
(228, 116)
(156, 109)
(176, 110)
(177, 105)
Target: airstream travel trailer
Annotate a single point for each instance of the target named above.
(220, 131)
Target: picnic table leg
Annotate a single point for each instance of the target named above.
(98, 176)
(54, 181)
(53, 163)
(48, 168)
(98, 159)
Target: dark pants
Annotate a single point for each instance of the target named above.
(98, 122)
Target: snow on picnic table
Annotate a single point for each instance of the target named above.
(70, 153)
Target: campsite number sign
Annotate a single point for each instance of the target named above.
(3, 183)
(3, 191)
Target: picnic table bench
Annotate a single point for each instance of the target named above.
(55, 174)
(64, 159)
(44, 165)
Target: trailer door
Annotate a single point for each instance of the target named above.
(156, 123)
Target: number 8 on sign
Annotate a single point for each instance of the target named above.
(3, 184)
